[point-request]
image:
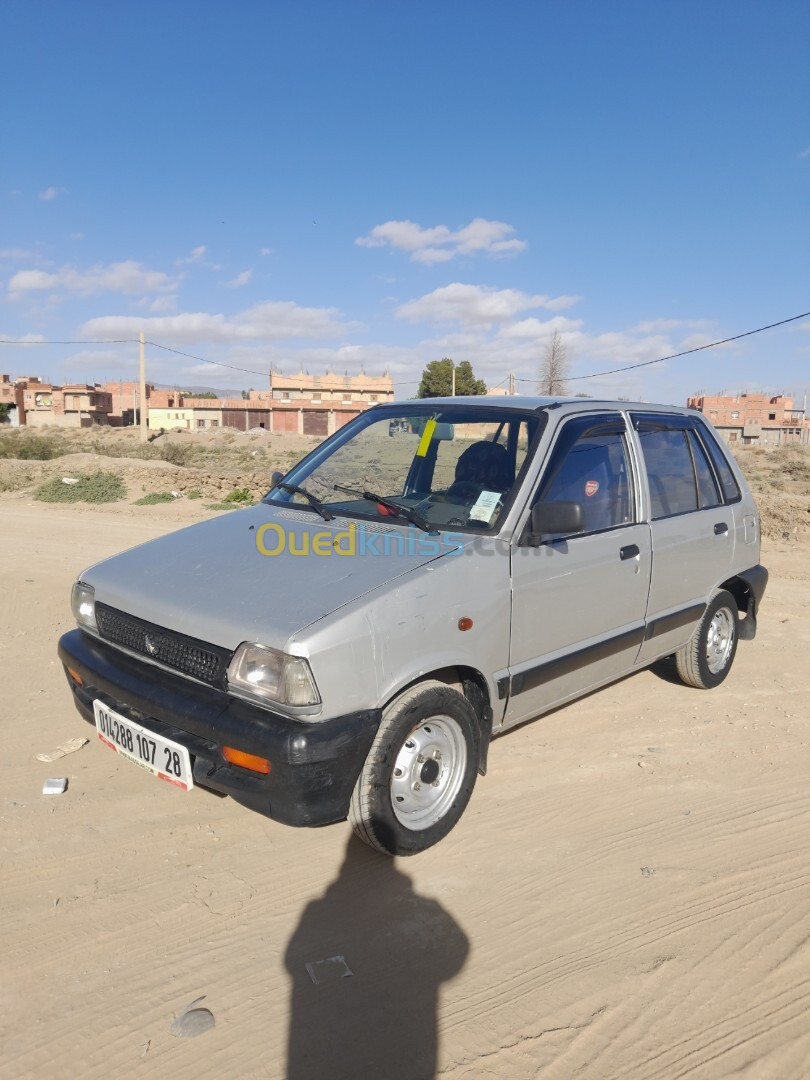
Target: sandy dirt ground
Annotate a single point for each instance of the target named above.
(627, 896)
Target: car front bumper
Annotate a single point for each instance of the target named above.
(313, 766)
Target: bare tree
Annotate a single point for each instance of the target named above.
(554, 367)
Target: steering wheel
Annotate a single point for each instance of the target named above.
(465, 491)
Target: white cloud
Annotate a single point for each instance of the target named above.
(477, 305)
(537, 330)
(96, 362)
(440, 243)
(76, 236)
(239, 280)
(621, 347)
(164, 303)
(560, 303)
(265, 251)
(123, 277)
(16, 253)
(196, 256)
(49, 193)
(25, 339)
(652, 326)
(698, 340)
(805, 153)
(271, 321)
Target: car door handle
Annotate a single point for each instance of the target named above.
(720, 528)
(629, 552)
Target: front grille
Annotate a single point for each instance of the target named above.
(202, 661)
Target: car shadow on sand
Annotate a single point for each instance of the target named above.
(366, 962)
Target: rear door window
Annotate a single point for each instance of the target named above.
(670, 472)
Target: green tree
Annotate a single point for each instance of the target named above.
(437, 380)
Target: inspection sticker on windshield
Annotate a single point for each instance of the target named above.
(485, 506)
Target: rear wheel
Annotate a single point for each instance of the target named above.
(706, 659)
(420, 772)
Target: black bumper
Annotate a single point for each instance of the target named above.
(756, 578)
(314, 766)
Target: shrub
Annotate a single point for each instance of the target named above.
(195, 493)
(97, 487)
(30, 447)
(155, 497)
(239, 495)
(175, 453)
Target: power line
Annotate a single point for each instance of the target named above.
(202, 359)
(573, 378)
(685, 352)
(95, 341)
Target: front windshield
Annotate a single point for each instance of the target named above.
(442, 467)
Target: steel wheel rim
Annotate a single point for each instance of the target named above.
(428, 772)
(719, 640)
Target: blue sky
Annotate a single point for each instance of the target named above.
(372, 186)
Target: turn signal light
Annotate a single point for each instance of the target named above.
(75, 675)
(247, 761)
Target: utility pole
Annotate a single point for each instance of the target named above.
(512, 384)
(453, 379)
(143, 409)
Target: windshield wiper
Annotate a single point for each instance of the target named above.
(316, 504)
(389, 504)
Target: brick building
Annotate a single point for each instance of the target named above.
(755, 419)
(300, 404)
(34, 403)
(12, 396)
(361, 390)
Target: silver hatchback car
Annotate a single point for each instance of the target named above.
(433, 574)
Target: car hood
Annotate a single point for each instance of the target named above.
(211, 582)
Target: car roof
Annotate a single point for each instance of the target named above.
(524, 403)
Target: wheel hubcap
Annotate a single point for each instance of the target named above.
(428, 772)
(719, 640)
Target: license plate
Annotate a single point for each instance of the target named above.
(163, 758)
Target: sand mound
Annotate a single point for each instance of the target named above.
(783, 517)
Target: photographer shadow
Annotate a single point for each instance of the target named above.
(366, 962)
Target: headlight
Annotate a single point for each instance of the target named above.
(269, 675)
(83, 603)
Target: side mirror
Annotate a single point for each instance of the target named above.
(275, 478)
(555, 519)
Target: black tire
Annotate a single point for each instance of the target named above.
(706, 659)
(436, 765)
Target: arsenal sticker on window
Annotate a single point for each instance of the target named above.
(591, 487)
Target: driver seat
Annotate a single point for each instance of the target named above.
(487, 465)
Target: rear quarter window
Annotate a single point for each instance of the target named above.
(708, 491)
(731, 489)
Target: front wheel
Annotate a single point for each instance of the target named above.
(420, 771)
(706, 659)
